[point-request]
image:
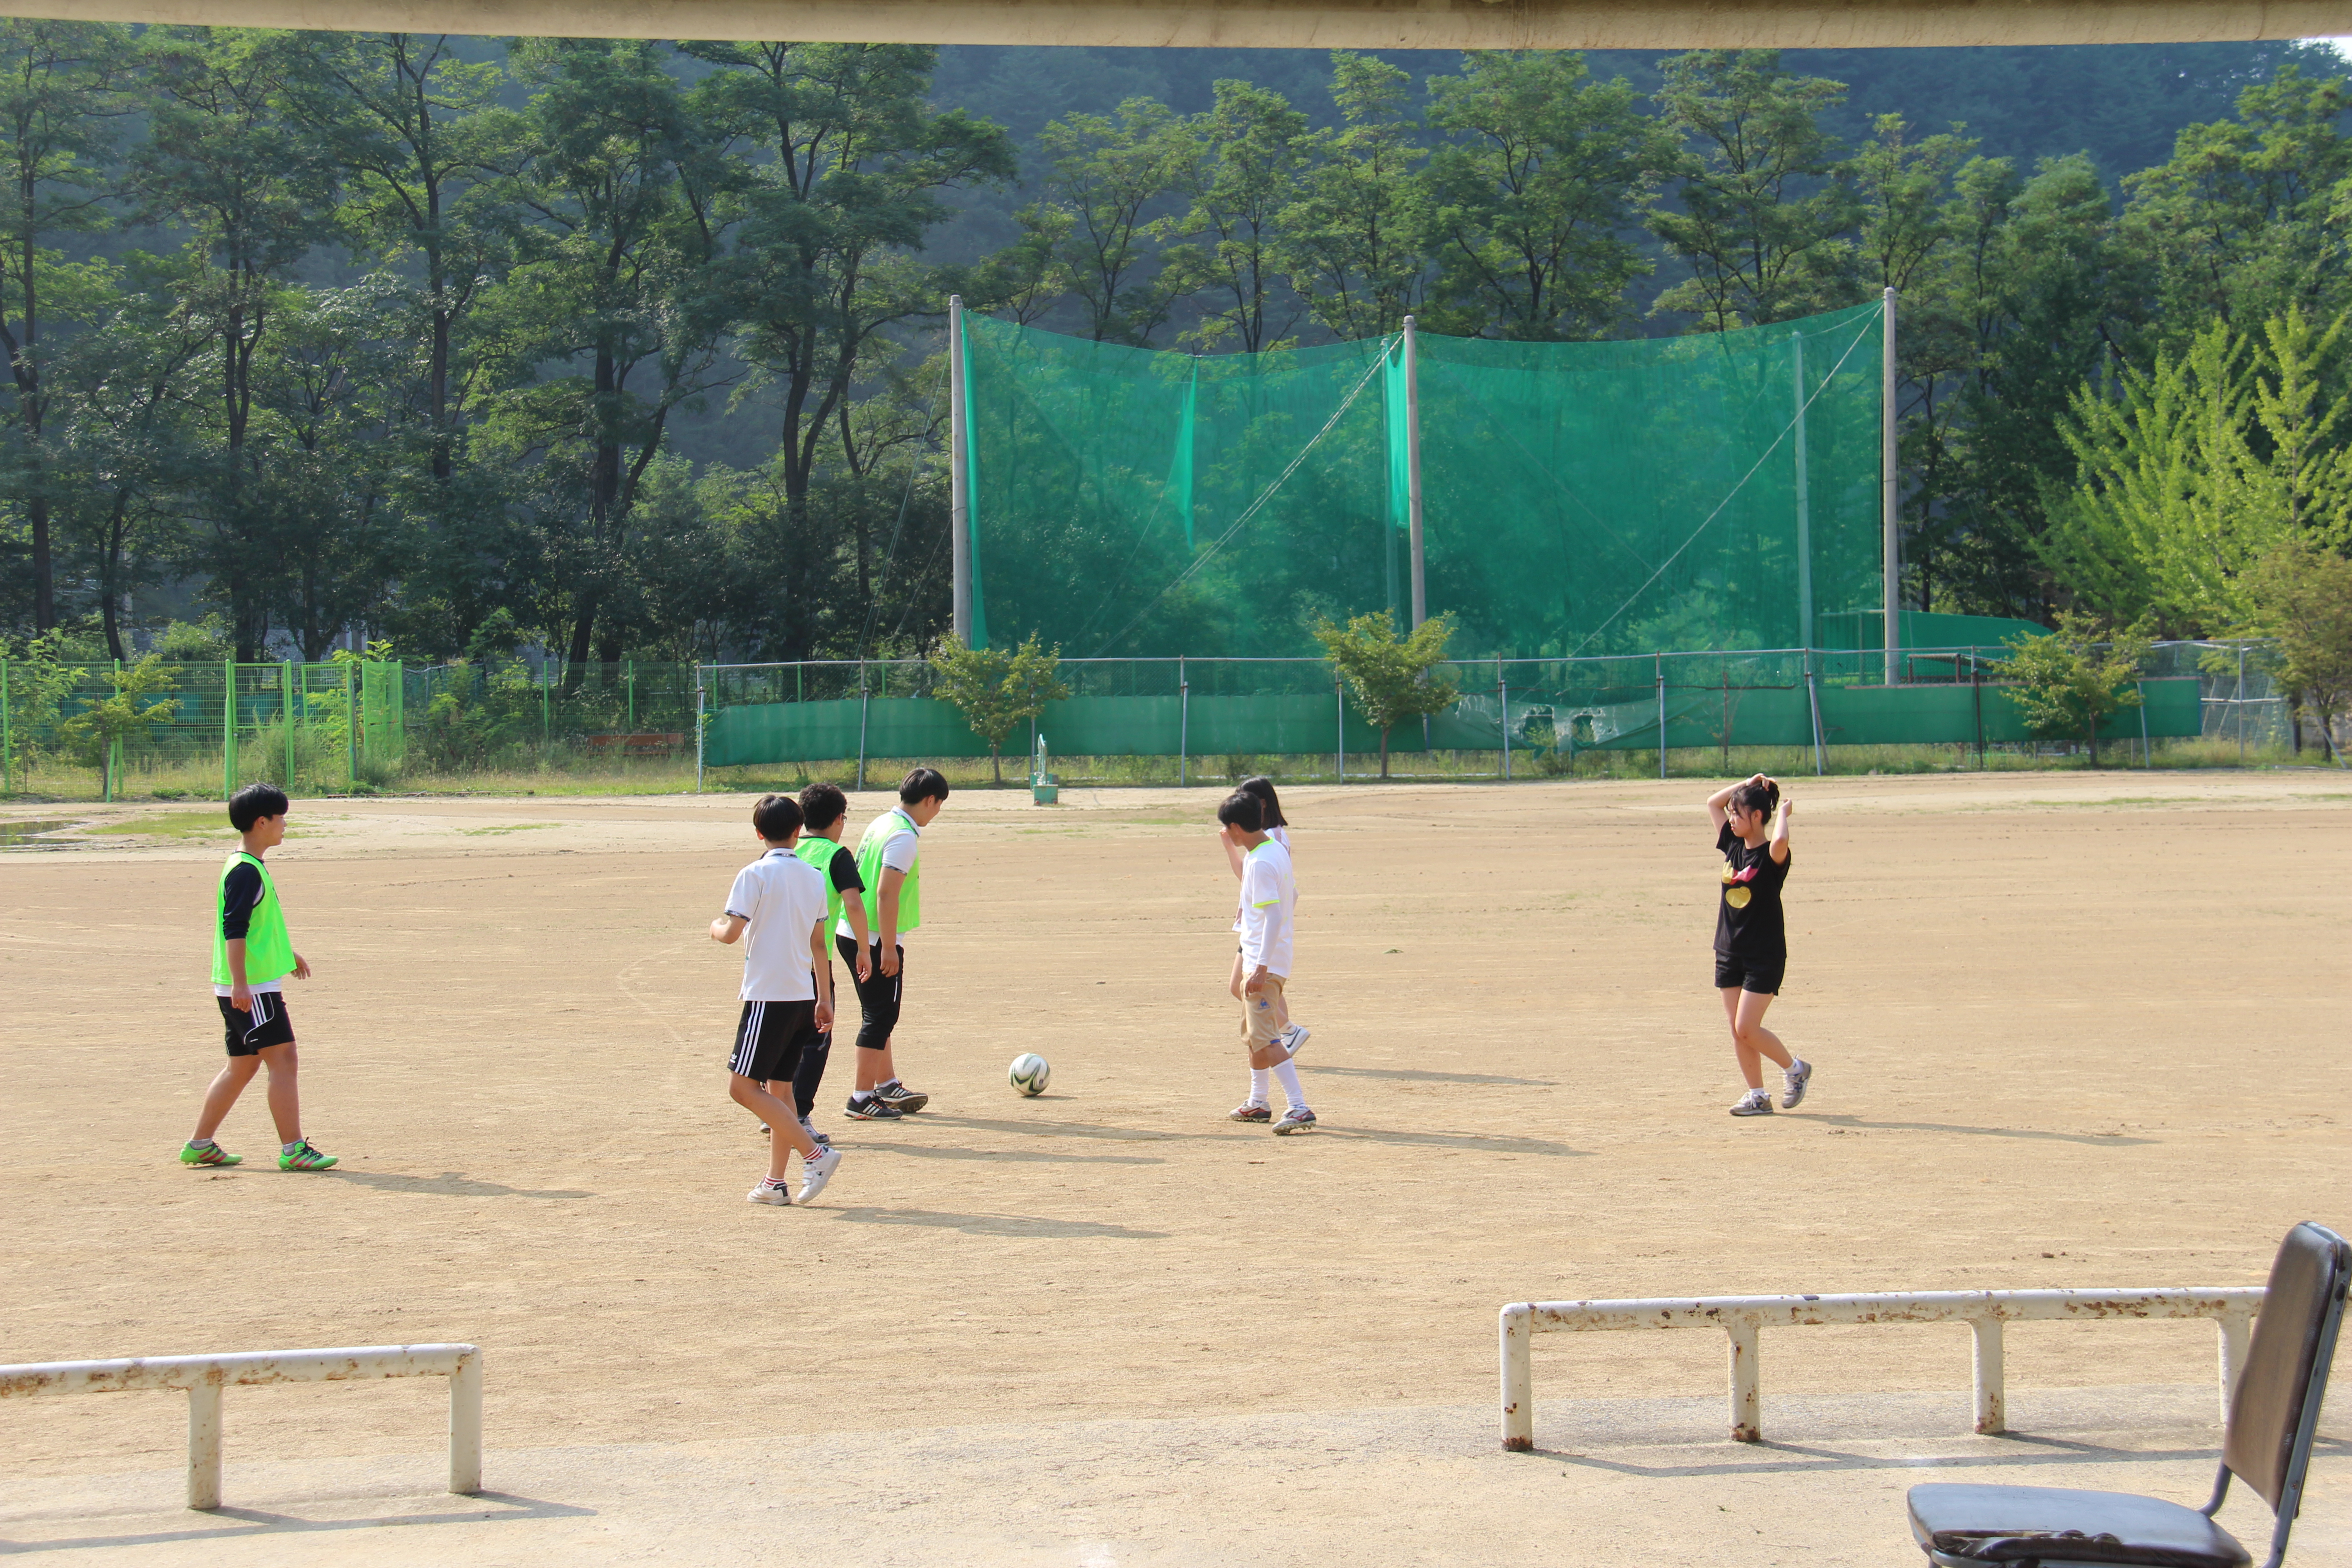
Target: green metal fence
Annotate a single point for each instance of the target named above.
(351, 726)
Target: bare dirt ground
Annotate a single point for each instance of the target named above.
(2069, 1030)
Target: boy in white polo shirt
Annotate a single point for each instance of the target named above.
(779, 899)
(1270, 909)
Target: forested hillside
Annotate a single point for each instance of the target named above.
(631, 348)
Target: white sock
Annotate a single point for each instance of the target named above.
(200, 1142)
(1289, 1077)
(289, 1148)
(1257, 1086)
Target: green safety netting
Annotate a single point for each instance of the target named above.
(1712, 491)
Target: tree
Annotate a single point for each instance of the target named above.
(1391, 675)
(94, 736)
(2069, 682)
(1763, 201)
(1105, 174)
(1352, 241)
(1239, 165)
(2303, 597)
(1533, 199)
(999, 690)
(61, 91)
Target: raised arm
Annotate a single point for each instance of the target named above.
(1780, 831)
(1718, 803)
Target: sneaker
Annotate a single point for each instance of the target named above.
(899, 1097)
(867, 1108)
(1294, 1036)
(1250, 1110)
(210, 1155)
(1794, 1083)
(819, 1139)
(816, 1173)
(780, 1197)
(1297, 1119)
(305, 1159)
(1755, 1102)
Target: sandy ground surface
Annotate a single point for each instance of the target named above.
(2071, 1030)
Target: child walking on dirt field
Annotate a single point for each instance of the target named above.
(779, 899)
(889, 864)
(1751, 939)
(824, 812)
(1277, 827)
(1269, 904)
(252, 955)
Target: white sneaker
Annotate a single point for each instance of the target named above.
(780, 1197)
(1755, 1102)
(1294, 1036)
(819, 1139)
(1794, 1083)
(1297, 1119)
(816, 1173)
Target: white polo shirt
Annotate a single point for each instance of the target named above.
(1270, 909)
(782, 897)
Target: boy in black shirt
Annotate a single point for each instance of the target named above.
(1751, 940)
(824, 812)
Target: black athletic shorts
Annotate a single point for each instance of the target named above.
(1760, 975)
(249, 1033)
(767, 1039)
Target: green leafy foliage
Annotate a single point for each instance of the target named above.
(2068, 683)
(999, 690)
(1391, 675)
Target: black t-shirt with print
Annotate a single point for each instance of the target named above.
(1748, 922)
(843, 869)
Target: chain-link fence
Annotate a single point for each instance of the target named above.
(198, 731)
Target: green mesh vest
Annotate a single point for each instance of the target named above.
(819, 851)
(268, 951)
(870, 844)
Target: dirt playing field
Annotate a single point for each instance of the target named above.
(2069, 1030)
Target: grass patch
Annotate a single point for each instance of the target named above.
(169, 825)
(510, 827)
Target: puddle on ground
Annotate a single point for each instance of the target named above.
(28, 835)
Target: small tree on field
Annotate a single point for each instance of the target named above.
(998, 690)
(2068, 682)
(1391, 675)
(90, 735)
(2303, 597)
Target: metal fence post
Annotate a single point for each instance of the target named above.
(350, 727)
(1503, 685)
(1183, 723)
(2141, 686)
(286, 691)
(1747, 1389)
(8, 738)
(1813, 700)
(205, 1446)
(629, 689)
(1989, 1376)
(2239, 703)
(1518, 1379)
(865, 707)
(1339, 691)
(546, 710)
(465, 1425)
(699, 726)
(1661, 659)
(229, 727)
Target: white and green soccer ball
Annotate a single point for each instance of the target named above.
(1031, 1073)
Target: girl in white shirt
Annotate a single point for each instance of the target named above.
(1277, 827)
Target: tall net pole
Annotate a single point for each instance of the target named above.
(1412, 468)
(958, 494)
(1890, 544)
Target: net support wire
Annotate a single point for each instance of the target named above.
(1729, 497)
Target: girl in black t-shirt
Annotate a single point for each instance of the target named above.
(1752, 942)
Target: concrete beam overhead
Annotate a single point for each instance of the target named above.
(1281, 24)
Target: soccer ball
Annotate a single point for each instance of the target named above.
(1031, 1073)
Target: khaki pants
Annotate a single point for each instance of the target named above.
(1266, 1014)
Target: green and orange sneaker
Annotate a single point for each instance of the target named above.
(209, 1154)
(305, 1159)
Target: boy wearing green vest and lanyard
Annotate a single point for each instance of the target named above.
(252, 955)
(824, 812)
(889, 864)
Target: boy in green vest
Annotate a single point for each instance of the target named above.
(889, 864)
(252, 955)
(824, 812)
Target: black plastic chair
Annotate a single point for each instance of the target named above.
(2267, 1445)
